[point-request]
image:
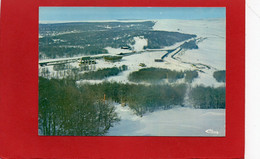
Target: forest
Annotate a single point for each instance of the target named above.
(66, 110)
(74, 39)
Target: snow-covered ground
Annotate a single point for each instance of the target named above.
(179, 121)
(212, 50)
(140, 43)
(205, 27)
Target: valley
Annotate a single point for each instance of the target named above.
(153, 70)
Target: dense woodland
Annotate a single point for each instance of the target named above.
(88, 38)
(64, 109)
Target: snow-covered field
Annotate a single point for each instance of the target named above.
(179, 121)
(205, 27)
(212, 50)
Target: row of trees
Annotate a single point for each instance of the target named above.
(67, 71)
(113, 58)
(103, 73)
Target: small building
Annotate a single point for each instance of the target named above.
(43, 64)
(142, 65)
(86, 61)
(158, 60)
(125, 47)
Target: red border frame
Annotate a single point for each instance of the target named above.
(19, 91)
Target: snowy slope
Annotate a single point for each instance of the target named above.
(180, 121)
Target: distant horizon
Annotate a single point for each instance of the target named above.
(84, 14)
(120, 20)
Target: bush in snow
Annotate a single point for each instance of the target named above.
(190, 75)
(220, 76)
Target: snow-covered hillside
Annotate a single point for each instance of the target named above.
(180, 121)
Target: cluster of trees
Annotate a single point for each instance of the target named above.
(190, 75)
(208, 97)
(113, 58)
(103, 73)
(160, 39)
(94, 39)
(140, 98)
(190, 45)
(60, 67)
(155, 75)
(65, 109)
(220, 76)
(144, 99)
(44, 72)
(74, 73)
